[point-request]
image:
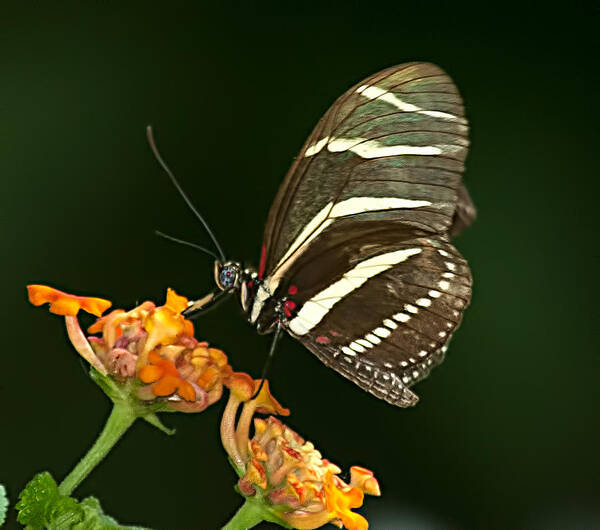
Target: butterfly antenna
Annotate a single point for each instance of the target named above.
(269, 358)
(160, 160)
(186, 243)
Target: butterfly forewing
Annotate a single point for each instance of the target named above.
(398, 134)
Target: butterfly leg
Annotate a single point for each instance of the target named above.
(269, 358)
(204, 304)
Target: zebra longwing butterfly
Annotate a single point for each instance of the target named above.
(356, 261)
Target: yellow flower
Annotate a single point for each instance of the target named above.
(287, 472)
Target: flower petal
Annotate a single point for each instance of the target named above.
(364, 479)
(150, 373)
(66, 304)
(163, 326)
(208, 378)
(175, 302)
(266, 403)
(166, 385)
(296, 485)
(188, 328)
(94, 306)
(354, 521)
(339, 502)
(307, 520)
(98, 326)
(186, 391)
(256, 473)
(218, 357)
(241, 385)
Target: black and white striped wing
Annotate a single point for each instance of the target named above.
(395, 142)
(386, 320)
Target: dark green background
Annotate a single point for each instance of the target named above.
(506, 434)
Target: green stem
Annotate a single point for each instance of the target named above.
(249, 515)
(120, 419)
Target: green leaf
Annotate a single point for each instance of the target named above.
(93, 512)
(36, 501)
(63, 513)
(42, 506)
(96, 519)
(3, 504)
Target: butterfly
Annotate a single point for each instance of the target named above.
(356, 261)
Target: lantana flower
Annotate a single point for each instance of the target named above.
(283, 477)
(146, 360)
(154, 344)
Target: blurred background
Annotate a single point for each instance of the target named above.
(507, 432)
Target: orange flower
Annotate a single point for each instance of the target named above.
(66, 304)
(162, 326)
(166, 378)
(154, 343)
(298, 485)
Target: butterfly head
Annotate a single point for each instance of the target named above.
(232, 276)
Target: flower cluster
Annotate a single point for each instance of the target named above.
(147, 359)
(287, 472)
(154, 344)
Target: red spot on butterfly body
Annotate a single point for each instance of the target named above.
(263, 262)
(288, 307)
(334, 333)
(323, 340)
(292, 290)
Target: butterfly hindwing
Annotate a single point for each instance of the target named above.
(386, 320)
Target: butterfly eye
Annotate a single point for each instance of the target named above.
(227, 277)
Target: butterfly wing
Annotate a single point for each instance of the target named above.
(400, 134)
